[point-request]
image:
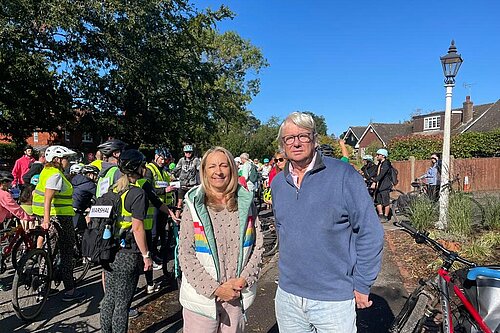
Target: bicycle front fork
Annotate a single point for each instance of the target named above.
(445, 305)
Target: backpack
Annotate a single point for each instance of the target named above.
(253, 175)
(394, 176)
(103, 215)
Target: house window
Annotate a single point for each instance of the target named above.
(66, 136)
(35, 136)
(432, 123)
(86, 137)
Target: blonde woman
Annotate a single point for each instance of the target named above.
(220, 249)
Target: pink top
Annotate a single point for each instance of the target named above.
(21, 166)
(9, 207)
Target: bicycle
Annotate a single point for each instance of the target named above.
(17, 242)
(270, 235)
(430, 306)
(37, 269)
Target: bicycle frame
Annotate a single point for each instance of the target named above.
(444, 281)
(18, 233)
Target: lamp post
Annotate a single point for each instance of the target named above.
(451, 64)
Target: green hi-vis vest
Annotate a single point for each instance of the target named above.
(62, 203)
(105, 182)
(162, 180)
(148, 221)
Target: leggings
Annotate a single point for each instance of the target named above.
(120, 288)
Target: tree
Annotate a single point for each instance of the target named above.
(320, 122)
(135, 68)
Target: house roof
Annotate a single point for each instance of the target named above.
(386, 132)
(357, 131)
(485, 118)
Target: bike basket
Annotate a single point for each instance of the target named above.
(484, 294)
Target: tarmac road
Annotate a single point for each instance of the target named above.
(57, 316)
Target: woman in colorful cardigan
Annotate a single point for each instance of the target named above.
(220, 249)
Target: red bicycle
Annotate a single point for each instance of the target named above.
(15, 241)
(431, 307)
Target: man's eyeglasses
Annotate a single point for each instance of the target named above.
(281, 159)
(303, 137)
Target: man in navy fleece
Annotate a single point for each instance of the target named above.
(330, 237)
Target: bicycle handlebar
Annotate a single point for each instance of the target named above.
(423, 237)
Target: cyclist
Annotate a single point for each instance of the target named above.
(382, 184)
(161, 180)
(433, 177)
(52, 201)
(186, 171)
(84, 188)
(110, 173)
(134, 256)
(368, 170)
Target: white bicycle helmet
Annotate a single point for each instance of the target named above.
(76, 169)
(57, 151)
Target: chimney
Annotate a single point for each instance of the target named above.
(468, 109)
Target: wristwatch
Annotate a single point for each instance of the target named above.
(147, 255)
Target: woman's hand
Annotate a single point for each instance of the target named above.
(148, 264)
(226, 292)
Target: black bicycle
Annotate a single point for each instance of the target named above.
(270, 235)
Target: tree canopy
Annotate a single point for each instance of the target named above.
(145, 71)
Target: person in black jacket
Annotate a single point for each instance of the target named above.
(382, 184)
(84, 189)
(35, 167)
(368, 170)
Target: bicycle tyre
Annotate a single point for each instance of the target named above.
(270, 236)
(411, 316)
(29, 278)
(477, 211)
(18, 251)
(81, 267)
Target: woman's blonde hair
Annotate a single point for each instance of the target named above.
(54, 164)
(121, 184)
(231, 189)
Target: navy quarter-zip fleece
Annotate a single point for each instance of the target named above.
(330, 236)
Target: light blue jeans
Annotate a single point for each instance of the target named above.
(299, 315)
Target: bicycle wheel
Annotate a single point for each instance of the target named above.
(477, 211)
(31, 285)
(18, 251)
(270, 236)
(81, 266)
(412, 315)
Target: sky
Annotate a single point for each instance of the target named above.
(356, 62)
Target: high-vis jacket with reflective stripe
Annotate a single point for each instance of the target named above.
(62, 203)
(161, 176)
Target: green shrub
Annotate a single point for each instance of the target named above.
(482, 248)
(460, 214)
(491, 207)
(423, 213)
(9, 151)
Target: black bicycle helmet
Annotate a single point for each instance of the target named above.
(163, 152)
(326, 150)
(110, 146)
(130, 160)
(90, 169)
(6, 176)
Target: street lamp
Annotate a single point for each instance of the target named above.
(451, 64)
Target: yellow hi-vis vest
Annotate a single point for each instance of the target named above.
(125, 218)
(162, 179)
(62, 203)
(148, 220)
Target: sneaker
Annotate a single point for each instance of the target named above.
(132, 313)
(157, 260)
(157, 267)
(152, 289)
(76, 296)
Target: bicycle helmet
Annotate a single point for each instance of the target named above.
(163, 152)
(267, 194)
(382, 151)
(326, 150)
(35, 179)
(6, 176)
(130, 160)
(90, 169)
(188, 148)
(266, 160)
(75, 169)
(57, 151)
(368, 157)
(110, 146)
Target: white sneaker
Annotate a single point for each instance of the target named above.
(152, 289)
(157, 267)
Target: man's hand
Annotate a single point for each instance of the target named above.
(362, 301)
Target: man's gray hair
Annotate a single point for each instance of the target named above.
(301, 119)
(245, 156)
